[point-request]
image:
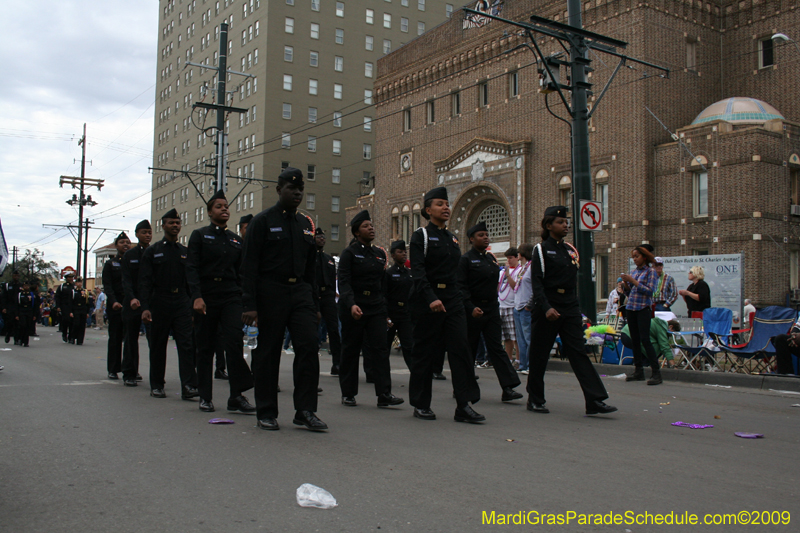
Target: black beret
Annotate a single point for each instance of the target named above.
(144, 224)
(439, 193)
(245, 219)
(397, 245)
(556, 211)
(120, 236)
(219, 195)
(290, 175)
(480, 226)
(172, 213)
(319, 231)
(361, 217)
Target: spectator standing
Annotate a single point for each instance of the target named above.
(522, 313)
(666, 292)
(100, 307)
(639, 287)
(698, 294)
(749, 309)
(505, 293)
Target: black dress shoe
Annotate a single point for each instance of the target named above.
(309, 420)
(268, 423)
(139, 377)
(468, 414)
(424, 414)
(319, 389)
(510, 394)
(349, 401)
(8, 339)
(655, 379)
(113, 375)
(130, 383)
(599, 408)
(335, 370)
(439, 376)
(220, 374)
(158, 393)
(188, 393)
(385, 400)
(207, 406)
(240, 404)
(638, 375)
(279, 388)
(537, 407)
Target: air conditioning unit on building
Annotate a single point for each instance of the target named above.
(796, 210)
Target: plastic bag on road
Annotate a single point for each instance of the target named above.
(309, 495)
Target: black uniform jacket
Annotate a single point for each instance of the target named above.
(398, 288)
(436, 274)
(477, 276)
(112, 283)
(162, 273)
(131, 263)
(215, 259)
(362, 278)
(279, 248)
(558, 287)
(75, 301)
(326, 273)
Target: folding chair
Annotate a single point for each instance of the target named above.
(717, 323)
(759, 351)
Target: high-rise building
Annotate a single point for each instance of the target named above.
(310, 67)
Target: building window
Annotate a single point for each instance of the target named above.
(339, 36)
(700, 194)
(387, 20)
(421, 5)
(513, 84)
(338, 63)
(337, 91)
(430, 112)
(420, 28)
(312, 114)
(565, 192)
(404, 24)
(766, 53)
(337, 119)
(368, 96)
(287, 82)
(602, 197)
(286, 140)
(407, 119)
(334, 232)
(602, 285)
(337, 147)
(288, 25)
(336, 175)
(387, 46)
(314, 30)
(369, 43)
(312, 87)
(448, 10)
(483, 94)
(314, 5)
(311, 201)
(370, 16)
(288, 53)
(339, 9)
(335, 204)
(287, 111)
(367, 123)
(313, 59)
(367, 70)
(691, 53)
(794, 178)
(367, 151)
(312, 144)
(455, 103)
(311, 171)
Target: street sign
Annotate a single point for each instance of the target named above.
(590, 217)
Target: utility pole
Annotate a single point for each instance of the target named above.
(85, 248)
(14, 251)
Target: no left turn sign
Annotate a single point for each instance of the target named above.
(591, 216)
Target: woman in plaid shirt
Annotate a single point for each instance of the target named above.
(639, 287)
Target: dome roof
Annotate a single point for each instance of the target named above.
(738, 110)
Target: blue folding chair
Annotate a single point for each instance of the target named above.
(717, 323)
(759, 351)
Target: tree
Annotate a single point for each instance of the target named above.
(33, 266)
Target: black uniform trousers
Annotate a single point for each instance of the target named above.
(219, 348)
(543, 335)
(327, 306)
(22, 329)
(8, 325)
(77, 330)
(404, 329)
(221, 323)
(130, 351)
(366, 334)
(64, 326)
(279, 307)
(171, 314)
(433, 334)
(490, 324)
(116, 334)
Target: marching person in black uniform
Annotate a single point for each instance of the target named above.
(438, 308)
(164, 296)
(279, 288)
(398, 293)
(62, 295)
(24, 311)
(555, 311)
(326, 281)
(243, 223)
(131, 306)
(478, 272)
(362, 310)
(112, 283)
(215, 257)
(10, 291)
(75, 303)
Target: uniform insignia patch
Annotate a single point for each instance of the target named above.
(158, 255)
(308, 232)
(276, 230)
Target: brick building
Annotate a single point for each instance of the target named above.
(460, 107)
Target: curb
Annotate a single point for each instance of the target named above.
(761, 382)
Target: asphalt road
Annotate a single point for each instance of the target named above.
(81, 453)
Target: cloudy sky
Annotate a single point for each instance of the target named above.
(68, 63)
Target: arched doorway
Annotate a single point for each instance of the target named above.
(497, 221)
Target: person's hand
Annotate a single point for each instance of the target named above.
(437, 307)
(135, 304)
(627, 278)
(199, 306)
(552, 315)
(355, 312)
(250, 318)
(528, 309)
(147, 317)
(17, 318)
(794, 339)
(116, 307)
(683, 292)
(477, 312)
(388, 322)
(4, 311)
(319, 317)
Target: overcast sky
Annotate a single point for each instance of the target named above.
(66, 63)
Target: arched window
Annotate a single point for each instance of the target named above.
(497, 222)
(565, 192)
